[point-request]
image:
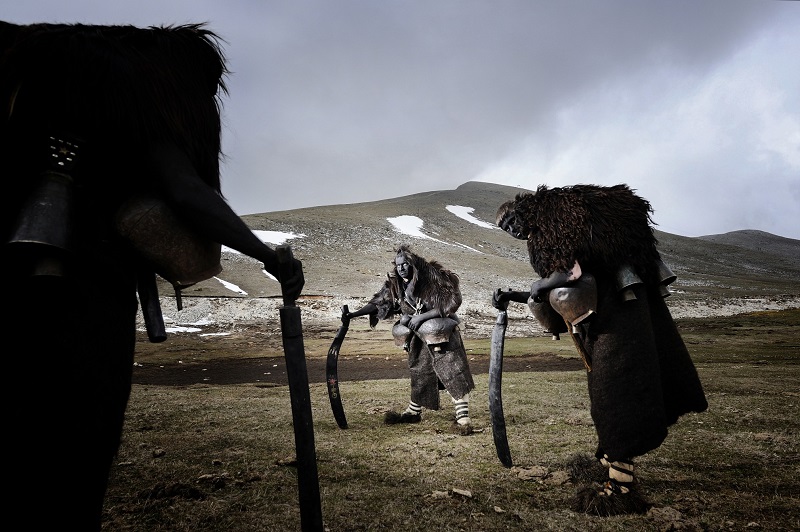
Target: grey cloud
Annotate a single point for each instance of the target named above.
(349, 101)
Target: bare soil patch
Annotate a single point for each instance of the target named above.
(272, 370)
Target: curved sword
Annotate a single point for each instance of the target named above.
(332, 371)
(495, 392)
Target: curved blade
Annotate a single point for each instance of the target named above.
(332, 372)
(495, 392)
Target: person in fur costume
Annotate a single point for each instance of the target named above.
(596, 253)
(426, 296)
(97, 120)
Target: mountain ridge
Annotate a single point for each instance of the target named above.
(756, 240)
(347, 249)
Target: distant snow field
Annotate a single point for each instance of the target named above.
(412, 225)
(465, 213)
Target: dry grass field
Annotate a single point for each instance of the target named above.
(220, 457)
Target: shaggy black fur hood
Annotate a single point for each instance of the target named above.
(600, 227)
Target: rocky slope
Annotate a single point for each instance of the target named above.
(347, 249)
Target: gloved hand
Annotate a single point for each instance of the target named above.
(500, 299)
(537, 291)
(416, 321)
(293, 285)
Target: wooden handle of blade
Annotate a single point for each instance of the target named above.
(284, 252)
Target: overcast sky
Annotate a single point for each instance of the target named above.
(693, 103)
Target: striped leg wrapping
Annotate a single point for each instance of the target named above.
(413, 409)
(462, 410)
(619, 495)
(620, 476)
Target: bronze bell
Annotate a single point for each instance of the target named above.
(665, 277)
(437, 330)
(576, 302)
(44, 232)
(44, 228)
(626, 278)
(401, 335)
(174, 250)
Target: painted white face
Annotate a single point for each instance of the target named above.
(403, 268)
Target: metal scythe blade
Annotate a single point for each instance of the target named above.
(495, 392)
(297, 374)
(332, 371)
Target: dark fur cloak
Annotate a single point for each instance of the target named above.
(435, 288)
(600, 227)
(114, 90)
(642, 378)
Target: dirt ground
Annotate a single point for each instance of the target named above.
(238, 340)
(254, 355)
(272, 370)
